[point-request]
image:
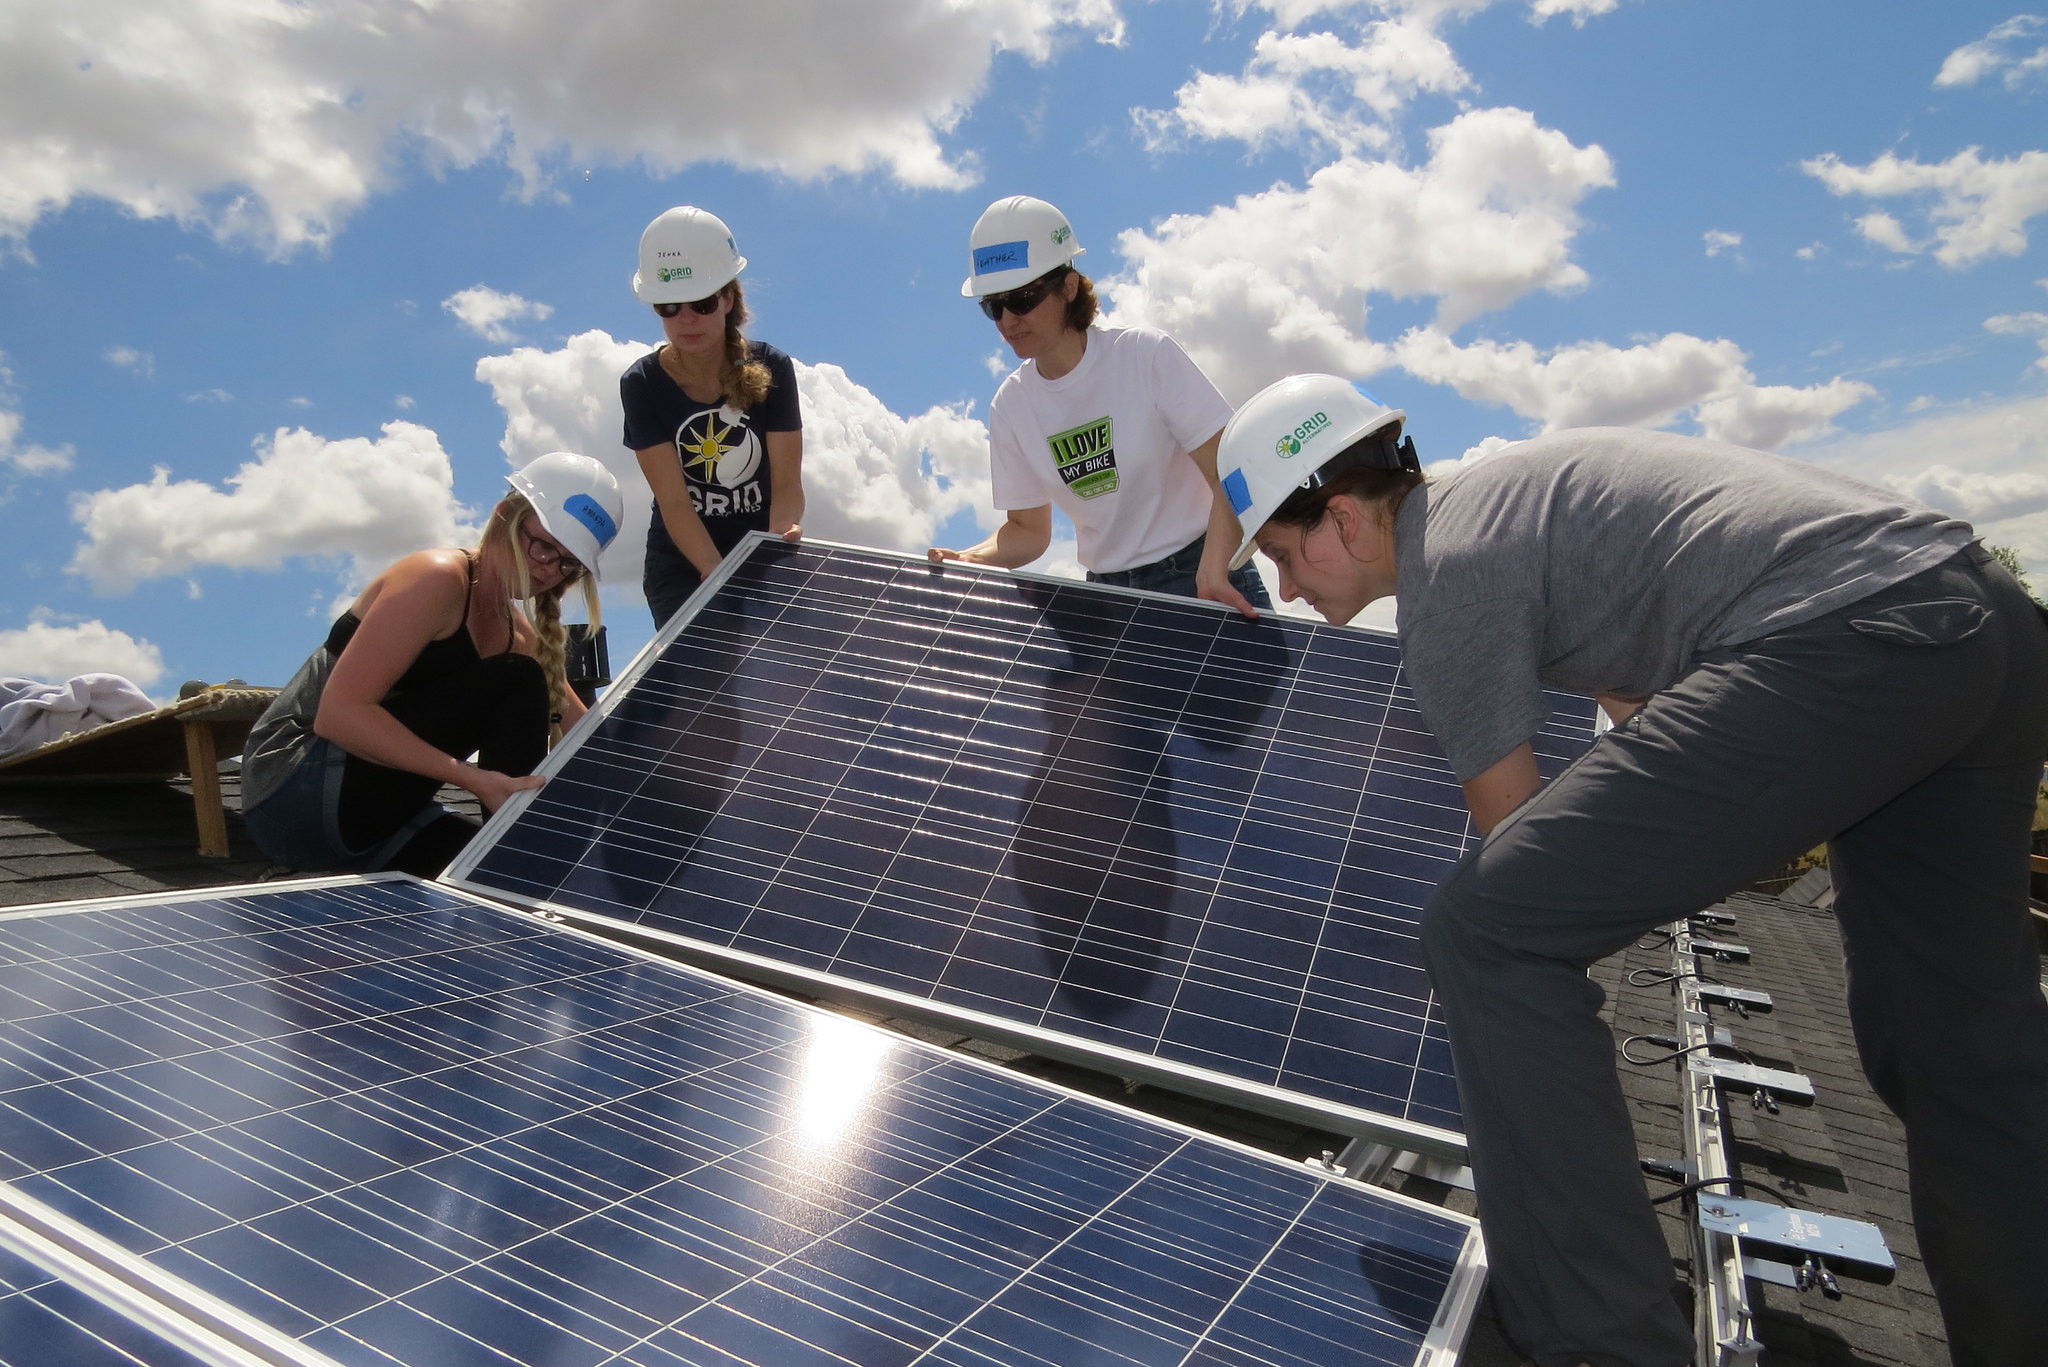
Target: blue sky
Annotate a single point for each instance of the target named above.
(285, 289)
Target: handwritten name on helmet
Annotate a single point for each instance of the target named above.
(1290, 444)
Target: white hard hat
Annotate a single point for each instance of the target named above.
(686, 254)
(1297, 434)
(1015, 241)
(576, 500)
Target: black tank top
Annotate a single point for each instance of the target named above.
(437, 659)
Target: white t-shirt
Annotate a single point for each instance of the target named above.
(1108, 442)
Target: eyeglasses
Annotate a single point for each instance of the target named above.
(1024, 298)
(703, 308)
(545, 553)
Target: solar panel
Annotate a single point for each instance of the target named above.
(396, 1124)
(1082, 819)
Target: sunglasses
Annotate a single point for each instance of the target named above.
(545, 553)
(704, 308)
(1024, 298)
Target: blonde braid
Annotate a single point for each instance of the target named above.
(544, 611)
(551, 645)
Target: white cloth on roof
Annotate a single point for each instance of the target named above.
(33, 712)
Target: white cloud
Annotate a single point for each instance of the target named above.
(1811, 251)
(214, 395)
(1650, 384)
(1293, 13)
(53, 650)
(876, 479)
(488, 312)
(1976, 496)
(404, 403)
(2033, 325)
(1975, 208)
(370, 501)
(1578, 11)
(269, 121)
(27, 458)
(1313, 88)
(1486, 449)
(128, 358)
(871, 477)
(1999, 53)
(1277, 282)
(1989, 468)
(299, 401)
(1719, 241)
(1773, 415)
(568, 400)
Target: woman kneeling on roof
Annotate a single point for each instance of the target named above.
(1790, 658)
(432, 663)
(1115, 425)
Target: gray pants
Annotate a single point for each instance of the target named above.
(1907, 731)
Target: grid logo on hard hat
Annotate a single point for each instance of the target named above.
(1291, 443)
(668, 273)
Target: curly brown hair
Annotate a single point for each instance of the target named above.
(745, 380)
(1083, 307)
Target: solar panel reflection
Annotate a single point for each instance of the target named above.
(1137, 823)
(398, 1125)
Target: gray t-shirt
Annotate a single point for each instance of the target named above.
(1605, 560)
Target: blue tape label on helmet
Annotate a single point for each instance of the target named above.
(1239, 492)
(592, 515)
(1001, 256)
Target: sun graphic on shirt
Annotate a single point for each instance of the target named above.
(702, 448)
(719, 448)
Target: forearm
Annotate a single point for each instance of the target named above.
(690, 536)
(370, 732)
(785, 481)
(1502, 787)
(1220, 540)
(1022, 538)
(1015, 544)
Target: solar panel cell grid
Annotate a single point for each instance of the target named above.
(420, 1129)
(1131, 821)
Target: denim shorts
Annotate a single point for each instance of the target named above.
(299, 825)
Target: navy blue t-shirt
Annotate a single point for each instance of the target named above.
(722, 450)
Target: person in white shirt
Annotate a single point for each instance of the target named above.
(1115, 425)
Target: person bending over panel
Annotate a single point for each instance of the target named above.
(1790, 658)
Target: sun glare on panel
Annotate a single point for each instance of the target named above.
(838, 1076)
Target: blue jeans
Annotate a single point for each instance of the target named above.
(1176, 574)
